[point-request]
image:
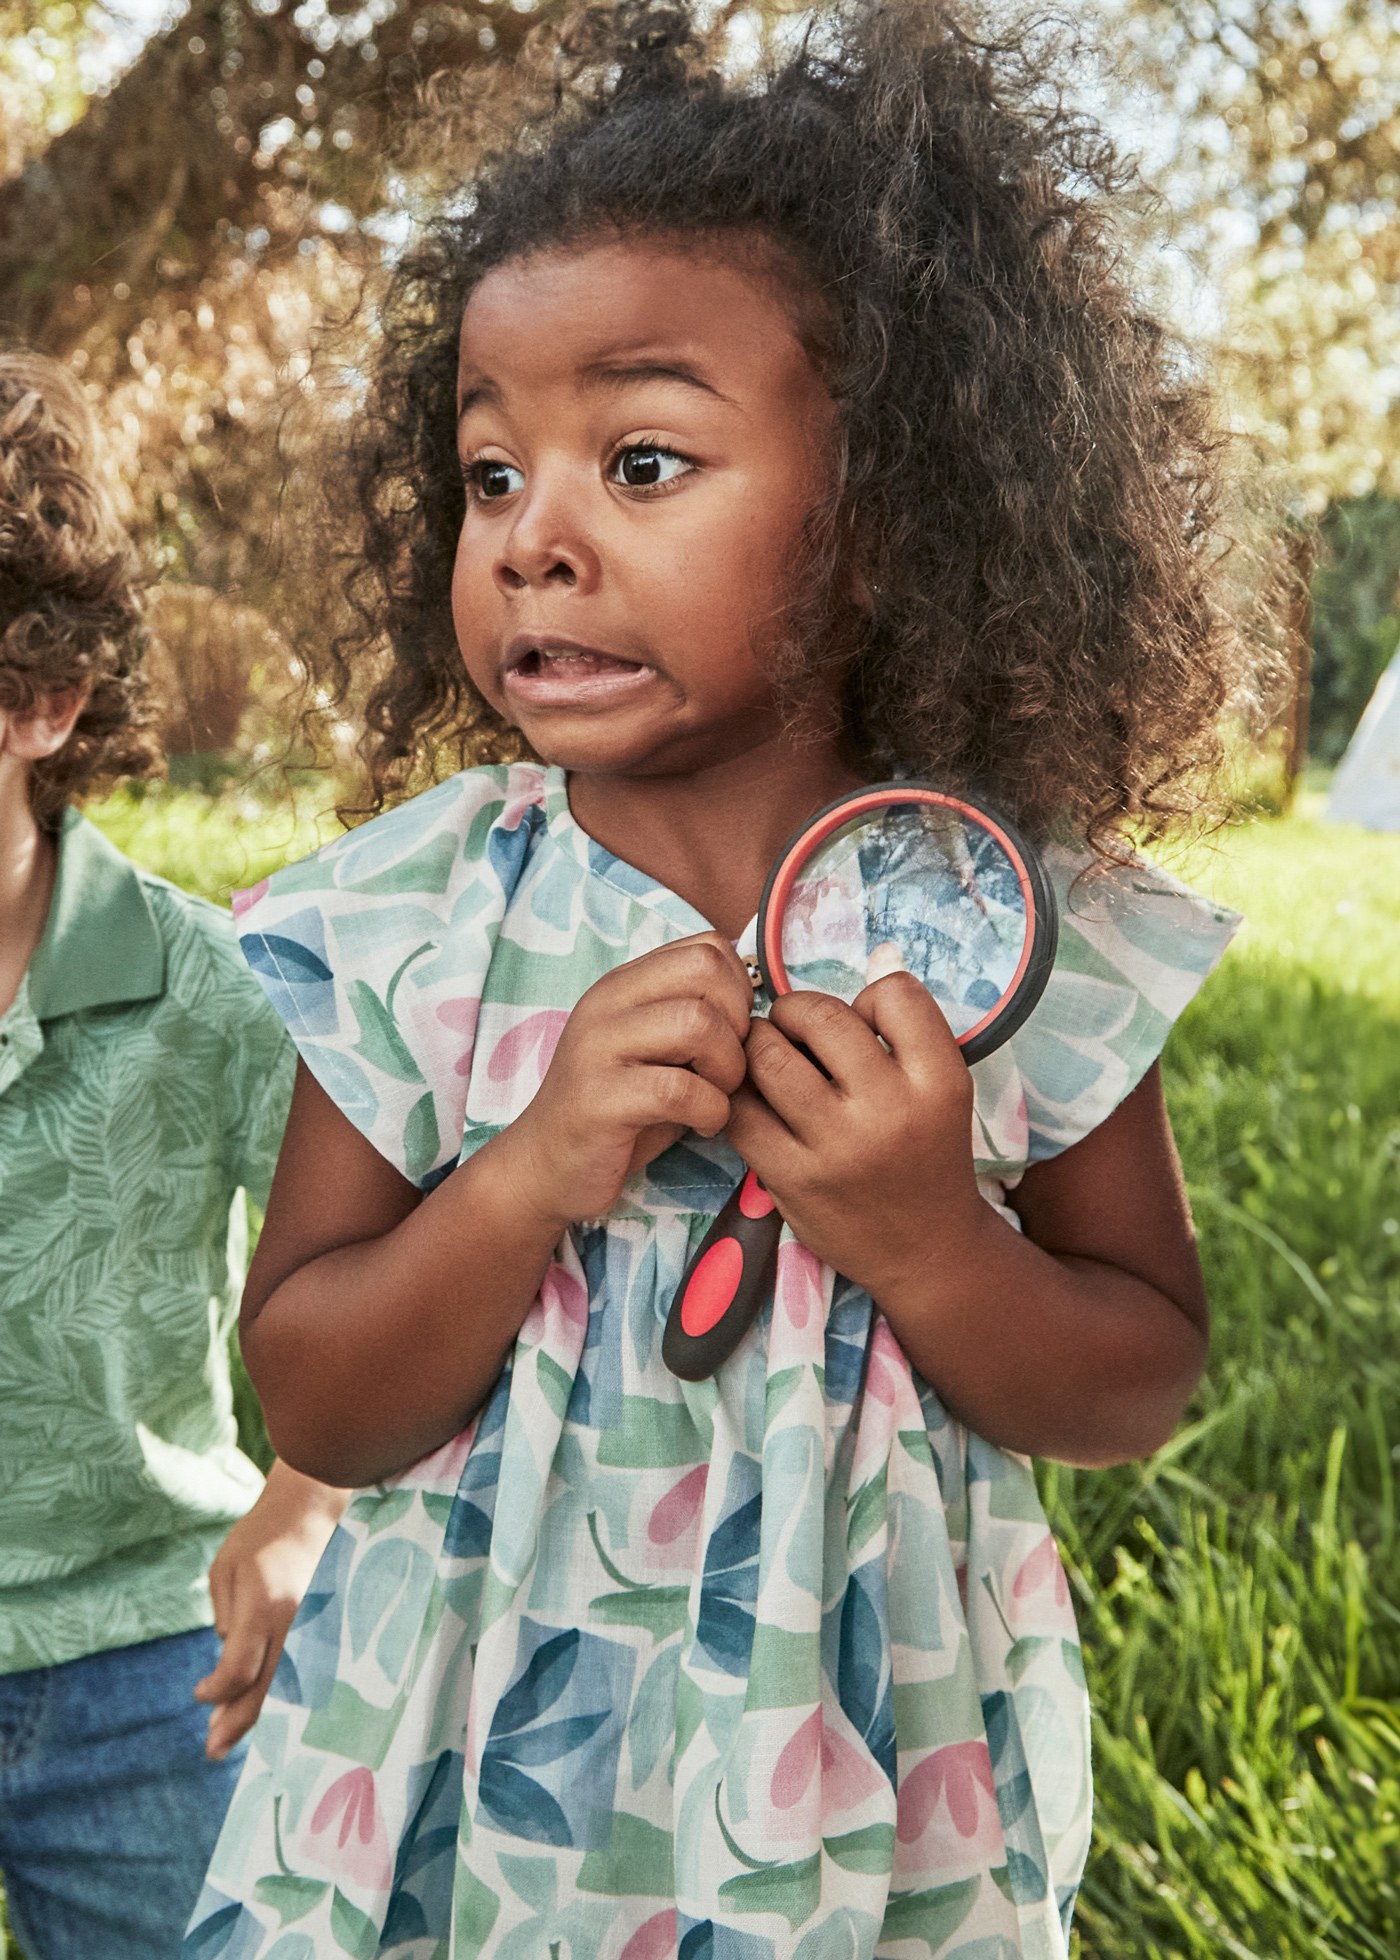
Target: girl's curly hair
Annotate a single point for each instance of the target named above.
(70, 585)
(1025, 487)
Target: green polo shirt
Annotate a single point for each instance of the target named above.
(143, 1081)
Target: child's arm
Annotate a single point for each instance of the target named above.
(1080, 1338)
(257, 1581)
(375, 1321)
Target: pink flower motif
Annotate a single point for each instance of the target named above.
(461, 1017)
(245, 901)
(887, 1364)
(679, 1507)
(848, 1775)
(347, 1832)
(799, 1287)
(656, 1940)
(529, 794)
(1042, 1567)
(536, 1036)
(563, 1292)
(962, 1775)
(797, 1763)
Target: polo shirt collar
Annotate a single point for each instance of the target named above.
(101, 943)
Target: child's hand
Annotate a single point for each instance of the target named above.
(257, 1581)
(653, 1049)
(873, 1166)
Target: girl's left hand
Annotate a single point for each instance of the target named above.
(257, 1580)
(869, 1155)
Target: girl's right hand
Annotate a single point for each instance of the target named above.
(652, 1050)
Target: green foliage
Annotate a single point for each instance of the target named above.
(1356, 616)
(1239, 1593)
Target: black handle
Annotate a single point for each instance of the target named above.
(724, 1287)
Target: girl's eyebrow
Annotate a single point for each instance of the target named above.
(623, 373)
(607, 374)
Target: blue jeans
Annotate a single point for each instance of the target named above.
(109, 1807)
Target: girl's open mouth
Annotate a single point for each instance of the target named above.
(558, 674)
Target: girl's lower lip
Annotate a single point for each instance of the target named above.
(549, 687)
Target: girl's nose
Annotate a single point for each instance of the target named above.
(545, 546)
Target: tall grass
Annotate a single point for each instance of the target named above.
(1239, 1593)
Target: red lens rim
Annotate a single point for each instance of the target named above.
(835, 818)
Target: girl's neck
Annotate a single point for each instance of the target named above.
(712, 836)
(28, 865)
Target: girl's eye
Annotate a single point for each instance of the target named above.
(488, 480)
(642, 465)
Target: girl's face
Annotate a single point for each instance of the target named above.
(642, 435)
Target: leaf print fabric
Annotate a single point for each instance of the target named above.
(776, 1664)
(143, 1081)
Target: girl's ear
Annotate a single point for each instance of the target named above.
(35, 736)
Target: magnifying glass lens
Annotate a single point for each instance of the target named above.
(928, 888)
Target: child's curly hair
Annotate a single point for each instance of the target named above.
(1025, 483)
(70, 585)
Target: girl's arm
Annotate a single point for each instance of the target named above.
(1080, 1337)
(375, 1321)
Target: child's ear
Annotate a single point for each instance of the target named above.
(35, 736)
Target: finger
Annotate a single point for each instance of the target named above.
(912, 1025)
(789, 1081)
(688, 1031)
(839, 1040)
(652, 1096)
(761, 1137)
(220, 1594)
(240, 1664)
(229, 1723)
(705, 964)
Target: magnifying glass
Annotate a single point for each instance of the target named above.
(899, 875)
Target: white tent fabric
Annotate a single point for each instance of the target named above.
(1366, 787)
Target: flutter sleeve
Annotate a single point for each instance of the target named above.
(1135, 946)
(375, 949)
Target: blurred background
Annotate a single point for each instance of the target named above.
(189, 202)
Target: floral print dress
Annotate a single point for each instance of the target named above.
(776, 1664)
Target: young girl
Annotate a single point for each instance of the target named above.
(805, 433)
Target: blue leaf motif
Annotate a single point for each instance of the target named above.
(540, 1686)
(862, 1687)
(859, 1664)
(725, 1630)
(734, 1541)
(546, 1742)
(517, 1803)
(468, 1533)
(287, 959)
(699, 1942)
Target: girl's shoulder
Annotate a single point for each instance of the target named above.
(373, 952)
(1135, 946)
(417, 847)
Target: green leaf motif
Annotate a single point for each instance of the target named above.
(1027, 1649)
(380, 1042)
(557, 1385)
(867, 1850)
(660, 1609)
(868, 1511)
(930, 1917)
(793, 1890)
(420, 1137)
(290, 1898)
(355, 1930)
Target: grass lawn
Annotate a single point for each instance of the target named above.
(1240, 1593)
